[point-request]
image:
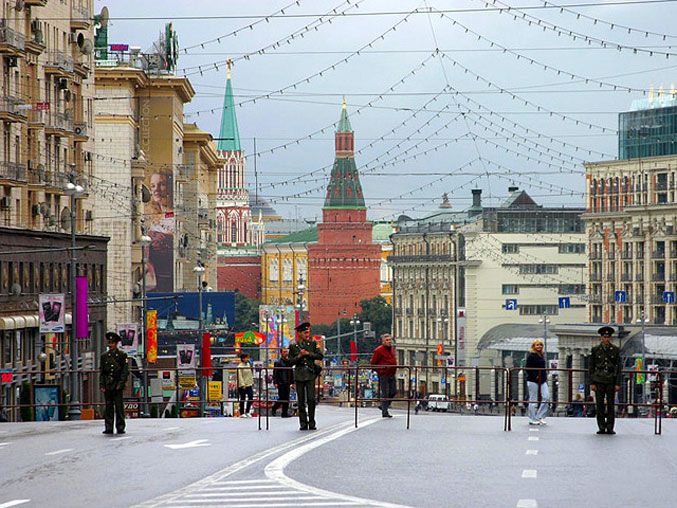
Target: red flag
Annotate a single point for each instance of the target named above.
(353, 351)
(206, 354)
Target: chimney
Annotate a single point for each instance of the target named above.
(513, 188)
(476, 207)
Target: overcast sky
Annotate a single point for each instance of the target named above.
(446, 108)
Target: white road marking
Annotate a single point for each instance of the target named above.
(275, 470)
(121, 438)
(529, 473)
(533, 438)
(172, 428)
(532, 452)
(15, 502)
(59, 452)
(190, 444)
(5, 443)
(527, 503)
(534, 430)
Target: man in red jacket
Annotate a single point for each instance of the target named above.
(384, 361)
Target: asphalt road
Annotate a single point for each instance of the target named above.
(442, 460)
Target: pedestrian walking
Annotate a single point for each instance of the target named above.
(537, 382)
(283, 378)
(605, 378)
(112, 381)
(384, 360)
(303, 354)
(245, 385)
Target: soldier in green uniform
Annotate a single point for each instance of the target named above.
(114, 373)
(302, 355)
(605, 378)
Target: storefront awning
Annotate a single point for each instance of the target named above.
(20, 321)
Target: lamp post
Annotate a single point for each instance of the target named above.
(444, 324)
(300, 290)
(643, 320)
(199, 270)
(74, 191)
(354, 322)
(546, 321)
(144, 241)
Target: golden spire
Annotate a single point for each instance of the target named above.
(229, 63)
(344, 105)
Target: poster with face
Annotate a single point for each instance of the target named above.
(129, 333)
(52, 313)
(185, 356)
(159, 216)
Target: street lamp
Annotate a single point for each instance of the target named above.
(300, 290)
(144, 241)
(74, 191)
(444, 325)
(545, 320)
(199, 270)
(354, 322)
(643, 321)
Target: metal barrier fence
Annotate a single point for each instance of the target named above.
(506, 386)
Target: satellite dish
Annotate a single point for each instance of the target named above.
(87, 47)
(103, 17)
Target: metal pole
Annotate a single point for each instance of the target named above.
(455, 298)
(645, 398)
(338, 341)
(144, 357)
(545, 335)
(200, 326)
(74, 409)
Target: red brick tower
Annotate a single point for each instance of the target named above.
(344, 264)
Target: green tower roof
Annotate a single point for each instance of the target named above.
(344, 189)
(229, 135)
(344, 122)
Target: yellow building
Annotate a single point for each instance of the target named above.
(284, 266)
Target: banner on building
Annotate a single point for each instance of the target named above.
(460, 335)
(159, 214)
(151, 336)
(277, 323)
(250, 337)
(129, 335)
(52, 313)
(81, 298)
(185, 356)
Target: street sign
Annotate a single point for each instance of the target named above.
(132, 408)
(669, 296)
(6, 375)
(620, 296)
(511, 304)
(564, 302)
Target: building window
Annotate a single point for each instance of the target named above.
(510, 248)
(287, 275)
(273, 271)
(233, 232)
(511, 289)
(538, 310)
(571, 248)
(538, 269)
(301, 269)
(571, 289)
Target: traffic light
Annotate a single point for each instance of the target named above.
(440, 349)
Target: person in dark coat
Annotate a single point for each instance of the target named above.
(537, 382)
(112, 381)
(283, 378)
(383, 360)
(303, 354)
(605, 379)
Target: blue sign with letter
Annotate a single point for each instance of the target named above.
(511, 304)
(564, 302)
(620, 297)
(669, 296)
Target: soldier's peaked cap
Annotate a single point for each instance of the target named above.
(113, 337)
(303, 327)
(606, 330)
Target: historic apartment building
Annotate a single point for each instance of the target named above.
(159, 176)
(454, 273)
(631, 220)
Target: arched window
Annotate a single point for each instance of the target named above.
(233, 232)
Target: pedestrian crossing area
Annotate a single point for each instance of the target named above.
(253, 494)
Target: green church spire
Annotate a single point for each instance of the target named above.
(229, 135)
(344, 189)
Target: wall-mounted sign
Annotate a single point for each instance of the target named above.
(119, 47)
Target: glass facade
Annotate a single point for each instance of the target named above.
(647, 133)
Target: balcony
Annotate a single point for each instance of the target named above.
(673, 276)
(673, 253)
(639, 277)
(596, 277)
(639, 299)
(441, 258)
(410, 312)
(657, 300)
(658, 254)
(432, 311)
(12, 109)
(661, 186)
(36, 43)
(37, 176)
(611, 254)
(660, 276)
(58, 124)
(595, 255)
(626, 277)
(203, 214)
(610, 277)
(80, 17)
(13, 171)
(626, 254)
(11, 41)
(36, 3)
(58, 63)
(420, 312)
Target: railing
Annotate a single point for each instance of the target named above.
(625, 277)
(610, 277)
(639, 277)
(611, 254)
(57, 120)
(13, 171)
(658, 254)
(658, 276)
(80, 13)
(11, 37)
(596, 277)
(11, 105)
(60, 61)
(626, 255)
(439, 258)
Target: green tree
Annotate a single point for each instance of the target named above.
(246, 313)
(378, 312)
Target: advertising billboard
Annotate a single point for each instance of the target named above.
(159, 216)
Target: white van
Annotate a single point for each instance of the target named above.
(438, 403)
